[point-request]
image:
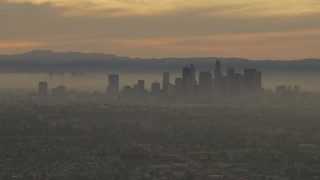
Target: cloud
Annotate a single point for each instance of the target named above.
(276, 45)
(230, 8)
(9, 45)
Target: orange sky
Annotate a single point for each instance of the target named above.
(255, 29)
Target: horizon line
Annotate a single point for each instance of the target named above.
(151, 58)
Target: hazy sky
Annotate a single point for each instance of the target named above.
(255, 29)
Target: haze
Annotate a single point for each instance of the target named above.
(255, 29)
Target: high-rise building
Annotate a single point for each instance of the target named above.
(178, 85)
(193, 72)
(113, 85)
(43, 88)
(155, 88)
(59, 91)
(127, 90)
(165, 81)
(218, 78)
(186, 73)
(232, 84)
(205, 81)
(188, 78)
(252, 80)
(140, 86)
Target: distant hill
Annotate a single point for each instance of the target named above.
(44, 61)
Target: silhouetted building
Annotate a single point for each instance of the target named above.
(193, 72)
(155, 88)
(127, 90)
(113, 85)
(205, 81)
(178, 85)
(59, 91)
(140, 87)
(287, 94)
(233, 82)
(165, 81)
(218, 78)
(170, 89)
(188, 78)
(43, 88)
(252, 80)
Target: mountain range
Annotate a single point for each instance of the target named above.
(45, 60)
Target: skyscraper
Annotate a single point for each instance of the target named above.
(218, 78)
(127, 90)
(193, 72)
(188, 78)
(43, 88)
(140, 86)
(231, 84)
(186, 73)
(252, 80)
(178, 85)
(165, 81)
(155, 88)
(113, 85)
(205, 81)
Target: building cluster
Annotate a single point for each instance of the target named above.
(58, 91)
(208, 83)
(288, 93)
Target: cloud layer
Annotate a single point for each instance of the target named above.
(257, 29)
(161, 7)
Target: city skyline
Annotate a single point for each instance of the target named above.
(261, 29)
(206, 83)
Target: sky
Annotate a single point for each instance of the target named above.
(253, 29)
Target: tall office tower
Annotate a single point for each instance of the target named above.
(178, 85)
(59, 91)
(231, 84)
(43, 88)
(252, 80)
(165, 81)
(218, 78)
(193, 72)
(186, 72)
(155, 88)
(140, 87)
(127, 90)
(205, 82)
(188, 77)
(113, 85)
